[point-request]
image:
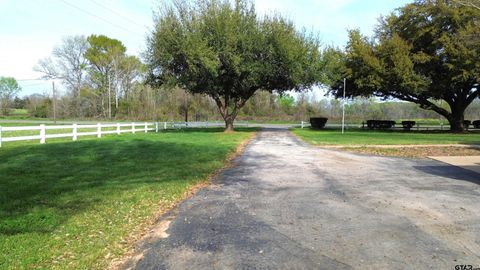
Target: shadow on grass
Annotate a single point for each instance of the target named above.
(210, 130)
(42, 186)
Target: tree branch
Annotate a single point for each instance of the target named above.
(473, 96)
(469, 3)
(220, 105)
(424, 104)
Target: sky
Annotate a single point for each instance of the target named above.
(30, 29)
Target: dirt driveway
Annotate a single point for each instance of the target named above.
(286, 205)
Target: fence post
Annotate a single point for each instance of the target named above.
(99, 130)
(118, 128)
(156, 126)
(42, 133)
(301, 124)
(146, 127)
(418, 127)
(441, 126)
(74, 137)
(164, 125)
(133, 127)
(0, 136)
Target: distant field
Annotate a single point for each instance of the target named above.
(19, 112)
(76, 205)
(368, 137)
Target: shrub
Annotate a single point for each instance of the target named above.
(318, 122)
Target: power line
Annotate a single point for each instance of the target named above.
(98, 17)
(34, 84)
(24, 80)
(116, 13)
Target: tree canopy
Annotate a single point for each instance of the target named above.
(8, 89)
(94, 70)
(68, 63)
(226, 51)
(420, 53)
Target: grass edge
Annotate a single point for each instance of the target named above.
(143, 230)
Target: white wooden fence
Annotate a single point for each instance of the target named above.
(114, 128)
(99, 129)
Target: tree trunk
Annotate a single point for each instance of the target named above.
(229, 117)
(185, 105)
(229, 124)
(456, 114)
(456, 122)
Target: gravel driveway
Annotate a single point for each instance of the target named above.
(288, 205)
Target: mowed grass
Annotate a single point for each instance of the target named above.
(368, 137)
(75, 205)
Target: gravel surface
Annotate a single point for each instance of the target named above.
(287, 205)
(416, 151)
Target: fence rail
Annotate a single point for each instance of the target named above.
(98, 129)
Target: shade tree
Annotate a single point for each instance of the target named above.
(225, 50)
(421, 53)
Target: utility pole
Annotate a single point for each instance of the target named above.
(115, 70)
(343, 105)
(185, 102)
(54, 97)
(109, 98)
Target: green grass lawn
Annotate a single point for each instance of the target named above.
(368, 137)
(74, 205)
(19, 111)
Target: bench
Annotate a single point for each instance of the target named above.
(380, 124)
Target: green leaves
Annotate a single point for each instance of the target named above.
(223, 49)
(424, 51)
(104, 50)
(8, 87)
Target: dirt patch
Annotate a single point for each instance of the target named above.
(416, 152)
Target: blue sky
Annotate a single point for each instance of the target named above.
(29, 29)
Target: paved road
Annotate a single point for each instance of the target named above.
(287, 205)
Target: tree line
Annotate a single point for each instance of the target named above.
(263, 106)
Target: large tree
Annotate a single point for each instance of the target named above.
(422, 53)
(9, 88)
(223, 49)
(67, 63)
(105, 56)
